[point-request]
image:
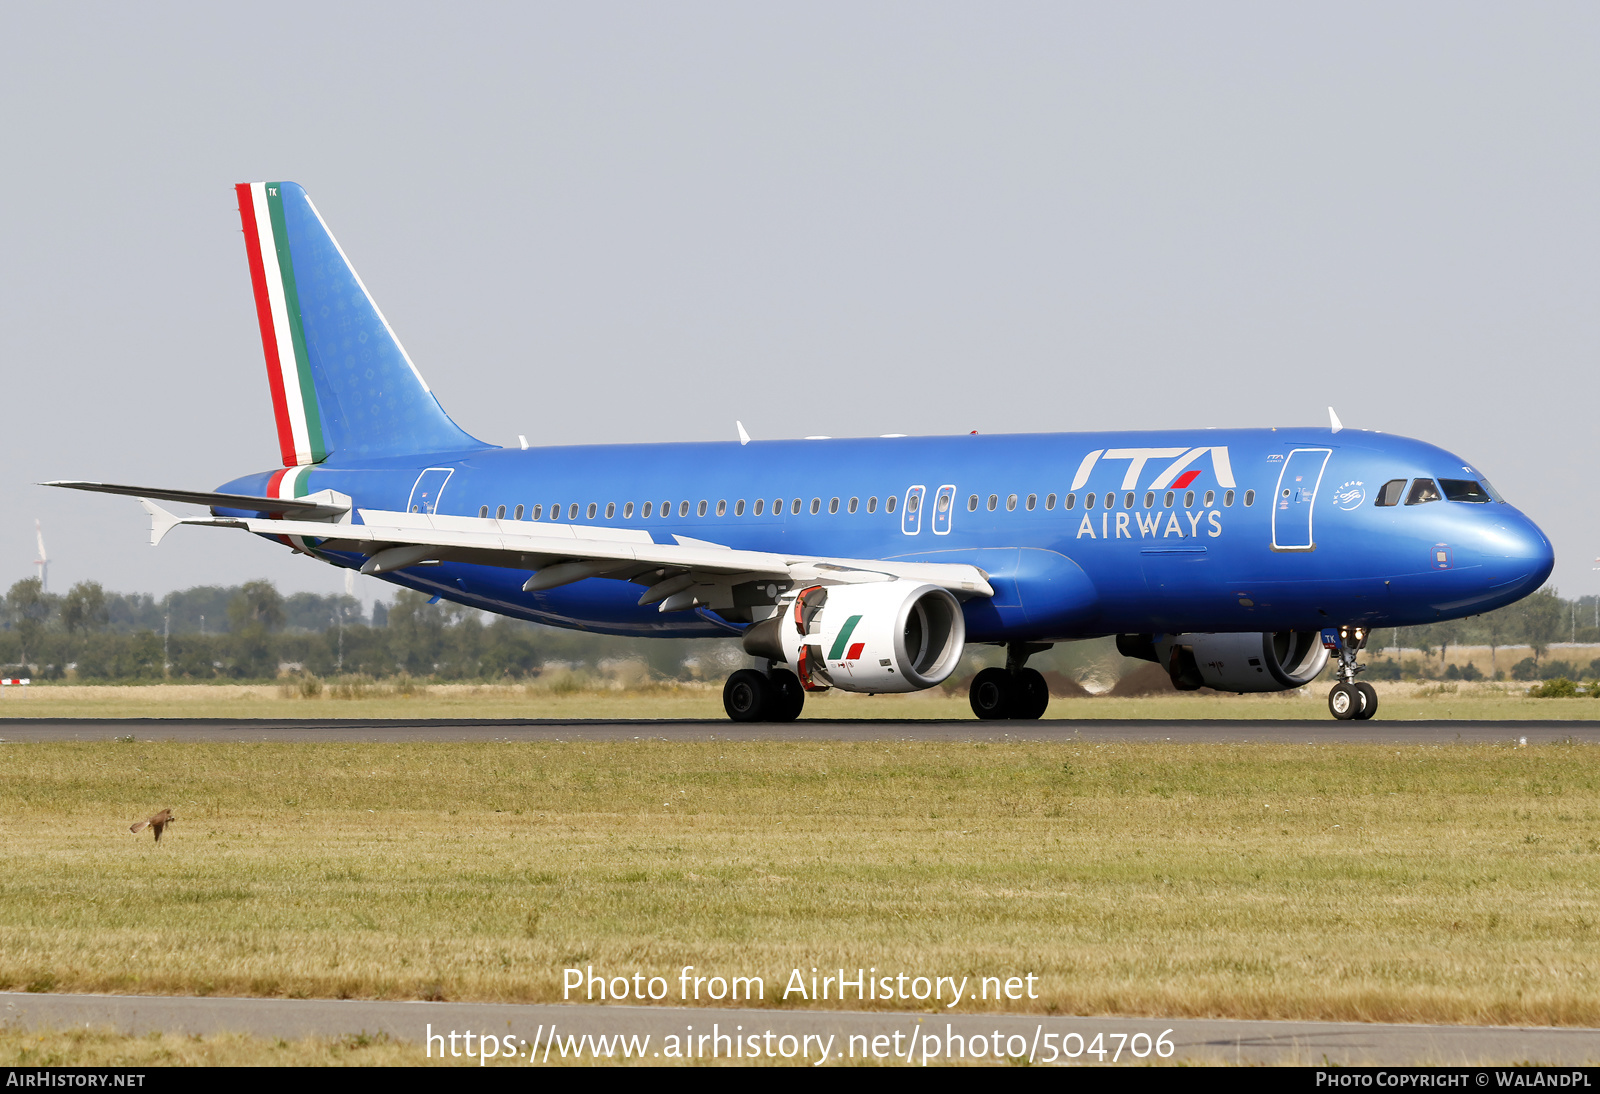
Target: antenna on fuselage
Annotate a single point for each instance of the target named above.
(744, 438)
(1333, 419)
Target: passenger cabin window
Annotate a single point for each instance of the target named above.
(1088, 500)
(1033, 500)
(761, 504)
(794, 508)
(1167, 500)
(611, 509)
(833, 506)
(627, 511)
(700, 510)
(816, 506)
(889, 503)
(1227, 499)
(1211, 496)
(483, 511)
(972, 503)
(738, 508)
(1150, 499)
(572, 511)
(1011, 503)
(1464, 490)
(518, 514)
(1188, 500)
(722, 507)
(1422, 491)
(854, 504)
(1249, 498)
(536, 512)
(683, 508)
(1389, 493)
(1127, 501)
(994, 502)
(649, 506)
(590, 512)
(872, 504)
(1072, 500)
(1049, 501)
(500, 513)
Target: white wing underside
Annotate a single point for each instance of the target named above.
(685, 574)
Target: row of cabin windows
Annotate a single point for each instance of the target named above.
(1425, 490)
(1109, 501)
(1130, 500)
(703, 508)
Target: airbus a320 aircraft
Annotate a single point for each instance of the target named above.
(1235, 559)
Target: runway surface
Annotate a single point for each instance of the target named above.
(1438, 732)
(881, 1036)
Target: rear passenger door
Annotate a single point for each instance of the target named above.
(425, 493)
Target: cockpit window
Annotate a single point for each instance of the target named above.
(1390, 494)
(1491, 491)
(1422, 490)
(1464, 490)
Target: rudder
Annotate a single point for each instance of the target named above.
(342, 385)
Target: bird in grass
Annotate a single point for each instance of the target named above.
(155, 823)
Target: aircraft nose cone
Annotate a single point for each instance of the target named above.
(1519, 555)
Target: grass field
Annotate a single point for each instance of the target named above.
(1449, 884)
(704, 701)
(107, 1048)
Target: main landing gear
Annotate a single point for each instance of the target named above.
(751, 695)
(1349, 699)
(1014, 691)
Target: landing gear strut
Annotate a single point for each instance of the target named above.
(754, 696)
(1349, 699)
(1014, 691)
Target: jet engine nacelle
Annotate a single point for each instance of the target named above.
(1273, 661)
(889, 636)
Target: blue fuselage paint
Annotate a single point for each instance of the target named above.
(1310, 550)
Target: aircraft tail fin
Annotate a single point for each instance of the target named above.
(341, 382)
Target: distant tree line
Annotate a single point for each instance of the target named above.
(253, 632)
(1536, 622)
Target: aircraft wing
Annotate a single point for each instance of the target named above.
(684, 574)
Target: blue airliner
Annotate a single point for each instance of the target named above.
(1235, 559)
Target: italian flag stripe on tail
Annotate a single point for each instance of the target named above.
(294, 398)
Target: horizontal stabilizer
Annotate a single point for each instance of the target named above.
(305, 508)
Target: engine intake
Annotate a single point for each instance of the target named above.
(890, 636)
(1252, 661)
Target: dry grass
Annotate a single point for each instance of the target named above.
(107, 1048)
(704, 701)
(1449, 884)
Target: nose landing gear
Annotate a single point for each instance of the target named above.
(1014, 691)
(1348, 699)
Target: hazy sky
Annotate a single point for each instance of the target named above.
(604, 222)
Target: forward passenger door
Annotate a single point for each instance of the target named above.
(1294, 501)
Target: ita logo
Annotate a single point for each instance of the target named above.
(1350, 495)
